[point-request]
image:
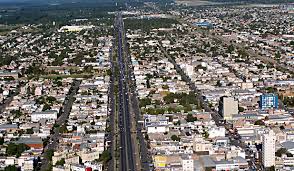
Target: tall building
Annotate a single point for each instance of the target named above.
(268, 149)
(228, 106)
(187, 163)
(268, 101)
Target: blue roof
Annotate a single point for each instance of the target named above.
(205, 23)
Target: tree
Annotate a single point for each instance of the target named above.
(148, 83)
(259, 122)
(205, 134)
(49, 154)
(16, 113)
(272, 168)
(61, 162)
(278, 55)
(16, 149)
(241, 109)
(175, 138)
(177, 123)
(30, 131)
(46, 107)
(281, 151)
(191, 118)
(165, 87)
(51, 99)
(63, 129)
(231, 48)
(1, 140)
(10, 168)
(35, 69)
(105, 156)
(242, 53)
(88, 69)
(188, 108)
(144, 102)
(218, 83)
(270, 89)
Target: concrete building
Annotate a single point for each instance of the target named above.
(48, 115)
(268, 149)
(268, 101)
(228, 107)
(187, 163)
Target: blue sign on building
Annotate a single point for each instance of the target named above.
(269, 101)
(204, 24)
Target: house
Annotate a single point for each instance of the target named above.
(10, 128)
(32, 142)
(50, 115)
(156, 124)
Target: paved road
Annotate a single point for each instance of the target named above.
(216, 117)
(9, 99)
(111, 114)
(204, 105)
(127, 161)
(53, 139)
(145, 155)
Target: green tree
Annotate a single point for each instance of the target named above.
(206, 134)
(16, 149)
(282, 151)
(46, 107)
(165, 87)
(191, 118)
(218, 83)
(144, 102)
(175, 138)
(10, 168)
(63, 129)
(278, 55)
(61, 162)
(272, 168)
(105, 156)
(1, 140)
(29, 131)
(231, 48)
(259, 122)
(51, 99)
(16, 113)
(49, 154)
(241, 109)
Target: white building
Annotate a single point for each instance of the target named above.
(74, 28)
(268, 149)
(48, 115)
(187, 163)
(228, 106)
(38, 91)
(156, 124)
(216, 132)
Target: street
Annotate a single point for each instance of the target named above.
(127, 161)
(53, 139)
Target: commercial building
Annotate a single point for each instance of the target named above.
(50, 115)
(187, 163)
(268, 149)
(268, 101)
(228, 107)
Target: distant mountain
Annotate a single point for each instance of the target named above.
(255, 1)
(52, 1)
